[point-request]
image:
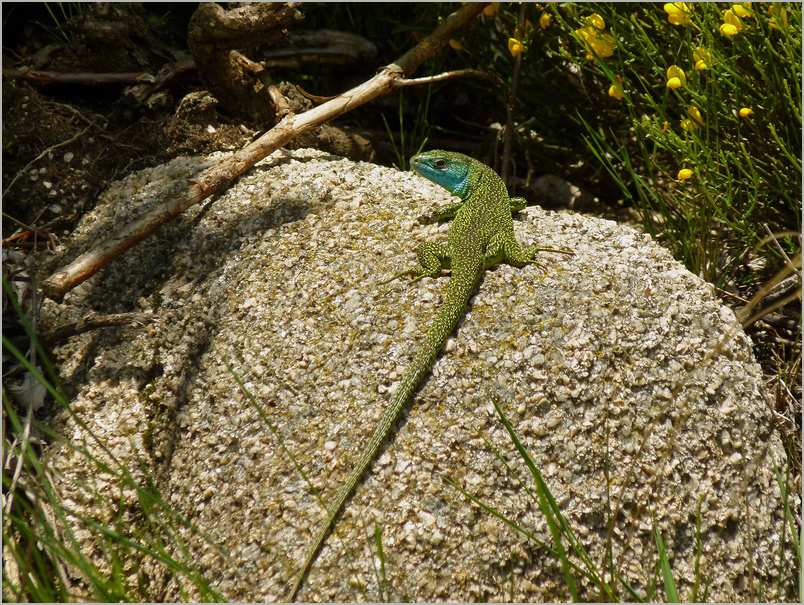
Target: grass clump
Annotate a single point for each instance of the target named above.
(610, 584)
(709, 145)
(101, 535)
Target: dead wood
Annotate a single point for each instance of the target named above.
(320, 47)
(214, 33)
(218, 178)
(172, 75)
(54, 77)
(277, 99)
(93, 321)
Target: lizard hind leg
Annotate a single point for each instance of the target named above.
(433, 257)
(518, 256)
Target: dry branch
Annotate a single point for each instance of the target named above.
(55, 77)
(94, 321)
(218, 178)
(278, 101)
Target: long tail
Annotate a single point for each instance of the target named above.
(449, 314)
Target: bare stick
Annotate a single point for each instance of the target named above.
(456, 74)
(314, 98)
(447, 75)
(279, 102)
(217, 178)
(93, 321)
(54, 77)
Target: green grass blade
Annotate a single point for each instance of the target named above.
(783, 487)
(546, 503)
(667, 574)
(383, 580)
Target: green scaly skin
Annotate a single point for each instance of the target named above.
(481, 235)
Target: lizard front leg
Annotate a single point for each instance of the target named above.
(517, 203)
(448, 211)
(433, 257)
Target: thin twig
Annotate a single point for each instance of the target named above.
(314, 98)
(19, 223)
(792, 267)
(781, 250)
(425, 80)
(777, 305)
(454, 74)
(53, 77)
(35, 230)
(43, 154)
(93, 321)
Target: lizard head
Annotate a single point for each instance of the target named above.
(455, 172)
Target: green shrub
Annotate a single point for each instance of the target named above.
(711, 96)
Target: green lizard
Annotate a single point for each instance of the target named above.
(481, 235)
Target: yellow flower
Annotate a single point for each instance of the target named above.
(665, 127)
(702, 58)
(684, 174)
(695, 114)
(545, 20)
(491, 9)
(696, 122)
(603, 44)
(727, 29)
(675, 77)
(615, 90)
(746, 112)
(596, 21)
(741, 10)
(732, 25)
(455, 44)
(777, 13)
(593, 40)
(515, 47)
(678, 13)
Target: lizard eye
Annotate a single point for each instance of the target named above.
(441, 164)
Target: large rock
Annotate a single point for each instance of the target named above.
(634, 390)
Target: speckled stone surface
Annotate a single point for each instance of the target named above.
(633, 389)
